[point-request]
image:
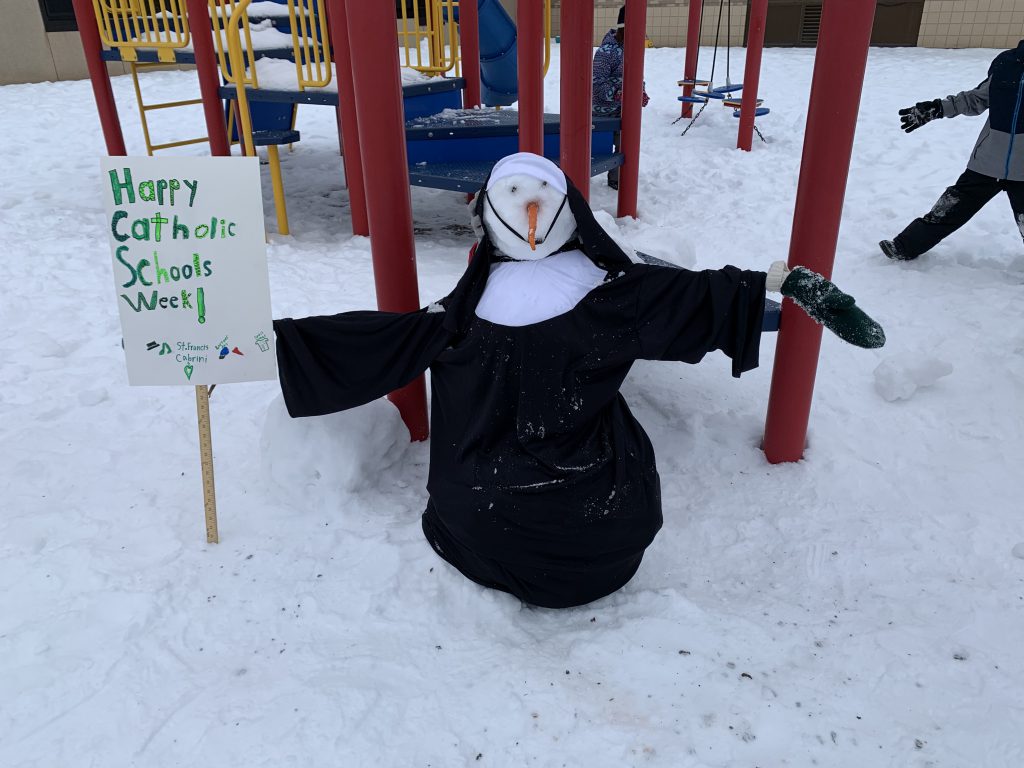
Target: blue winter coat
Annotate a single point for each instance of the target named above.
(607, 81)
(999, 152)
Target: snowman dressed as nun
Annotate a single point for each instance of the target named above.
(542, 483)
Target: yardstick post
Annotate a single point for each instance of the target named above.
(206, 459)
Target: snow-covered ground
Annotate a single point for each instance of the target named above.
(864, 607)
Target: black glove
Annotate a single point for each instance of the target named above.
(923, 112)
(828, 305)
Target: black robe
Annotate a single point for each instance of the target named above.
(541, 482)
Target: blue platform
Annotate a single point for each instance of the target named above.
(469, 175)
(487, 134)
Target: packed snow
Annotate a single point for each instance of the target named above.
(863, 607)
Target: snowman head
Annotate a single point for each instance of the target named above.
(525, 207)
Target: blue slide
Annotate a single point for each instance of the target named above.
(499, 78)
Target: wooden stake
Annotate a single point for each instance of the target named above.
(206, 459)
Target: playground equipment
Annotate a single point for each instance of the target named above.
(702, 92)
(372, 116)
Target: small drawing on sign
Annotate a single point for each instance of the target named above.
(165, 349)
(262, 341)
(188, 371)
(151, 346)
(224, 352)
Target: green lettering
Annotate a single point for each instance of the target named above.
(143, 263)
(117, 186)
(151, 304)
(161, 273)
(161, 185)
(118, 215)
(131, 269)
(180, 229)
(174, 186)
(147, 192)
(194, 186)
(140, 229)
(158, 220)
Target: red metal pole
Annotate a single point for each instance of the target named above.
(201, 34)
(530, 53)
(632, 95)
(469, 41)
(576, 98)
(373, 39)
(828, 144)
(692, 49)
(752, 72)
(101, 90)
(348, 122)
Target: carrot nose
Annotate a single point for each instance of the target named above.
(531, 213)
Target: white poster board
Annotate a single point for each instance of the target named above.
(190, 268)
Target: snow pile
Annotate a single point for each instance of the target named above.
(899, 377)
(331, 456)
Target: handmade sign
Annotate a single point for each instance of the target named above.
(190, 268)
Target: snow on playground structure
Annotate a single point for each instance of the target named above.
(373, 129)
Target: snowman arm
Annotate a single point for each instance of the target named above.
(331, 363)
(682, 314)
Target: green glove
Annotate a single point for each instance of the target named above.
(828, 305)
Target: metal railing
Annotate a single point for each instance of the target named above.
(129, 25)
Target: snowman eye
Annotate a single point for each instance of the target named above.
(543, 183)
(514, 188)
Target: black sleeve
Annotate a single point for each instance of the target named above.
(683, 315)
(331, 363)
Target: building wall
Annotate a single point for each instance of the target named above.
(945, 23)
(30, 54)
(972, 23)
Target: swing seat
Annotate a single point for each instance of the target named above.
(759, 112)
(737, 103)
(732, 88)
(700, 83)
(709, 94)
(692, 99)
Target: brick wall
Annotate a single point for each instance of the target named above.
(972, 23)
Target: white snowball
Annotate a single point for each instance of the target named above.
(898, 378)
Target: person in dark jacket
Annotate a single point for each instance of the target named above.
(607, 81)
(996, 165)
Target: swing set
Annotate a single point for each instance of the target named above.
(703, 92)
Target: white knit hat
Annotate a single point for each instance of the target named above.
(529, 164)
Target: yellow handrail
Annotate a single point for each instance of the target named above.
(222, 12)
(308, 19)
(239, 19)
(129, 25)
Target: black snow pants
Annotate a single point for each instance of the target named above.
(955, 208)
